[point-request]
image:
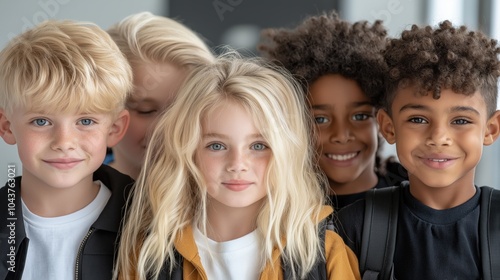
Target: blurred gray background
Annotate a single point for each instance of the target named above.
(238, 22)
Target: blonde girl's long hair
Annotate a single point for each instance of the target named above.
(170, 195)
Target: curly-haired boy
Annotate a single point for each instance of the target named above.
(440, 110)
(341, 67)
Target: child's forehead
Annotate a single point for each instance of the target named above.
(412, 96)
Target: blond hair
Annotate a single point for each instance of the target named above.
(147, 38)
(170, 194)
(64, 66)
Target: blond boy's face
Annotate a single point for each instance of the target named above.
(59, 151)
(439, 141)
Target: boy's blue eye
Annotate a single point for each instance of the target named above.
(360, 117)
(216, 147)
(259, 147)
(320, 120)
(40, 122)
(86, 121)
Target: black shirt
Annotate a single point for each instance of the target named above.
(430, 243)
(394, 175)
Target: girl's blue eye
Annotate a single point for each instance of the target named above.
(40, 122)
(259, 147)
(86, 121)
(216, 147)
(320, 120)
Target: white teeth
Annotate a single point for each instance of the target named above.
(341, 157)
(438, 159)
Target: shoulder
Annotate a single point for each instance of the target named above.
(341, 262)
(113, 179)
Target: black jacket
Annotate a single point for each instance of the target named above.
(97, 250)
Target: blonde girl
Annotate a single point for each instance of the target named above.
(228, 185)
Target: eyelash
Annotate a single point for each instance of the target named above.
(424, 121)
(222, 147)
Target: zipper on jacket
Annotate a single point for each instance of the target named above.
(80, 251)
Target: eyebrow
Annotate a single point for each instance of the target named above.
(427, 108)
(353, 104)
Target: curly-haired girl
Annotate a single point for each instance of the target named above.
(342, 70)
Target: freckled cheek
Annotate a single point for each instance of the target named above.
(93, 142)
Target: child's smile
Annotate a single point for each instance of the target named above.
(439, 141)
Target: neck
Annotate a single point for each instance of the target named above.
(440, 198)
(362, 183)
(228, 223)
(52, 202)
(121, 165)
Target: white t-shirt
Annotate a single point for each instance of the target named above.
(234, 259)
(54, 242)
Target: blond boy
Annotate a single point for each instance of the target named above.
(63, 85)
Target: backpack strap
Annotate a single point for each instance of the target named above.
(489, 232)
(176, 273)
(318, 272)
(378, 239)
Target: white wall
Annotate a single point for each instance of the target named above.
(17, 16)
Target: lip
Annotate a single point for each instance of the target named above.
(438, 161)
(341, 159)
(63, 163)
(237, 185)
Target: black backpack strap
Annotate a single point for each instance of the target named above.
(318, 272)
(176, 273)
(489, 232)
(379, 233)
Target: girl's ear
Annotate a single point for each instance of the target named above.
(492, 129)
(386, 126)
(5, 131)
(118, 128)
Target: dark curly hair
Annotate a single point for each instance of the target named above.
(443, 58)
(325, 44)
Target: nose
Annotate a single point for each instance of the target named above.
(237, 161)
(63, 139)
(340, 133)
(438, 135)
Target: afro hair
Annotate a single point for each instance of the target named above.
(445, 57)
(325, 44)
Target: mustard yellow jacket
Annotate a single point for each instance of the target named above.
(341, 263)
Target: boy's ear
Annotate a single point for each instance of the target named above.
(386, 126)
(118, 128)
(492, 129)
(5, 131)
